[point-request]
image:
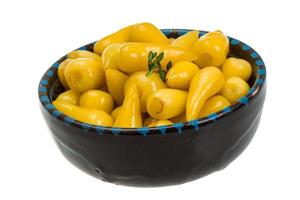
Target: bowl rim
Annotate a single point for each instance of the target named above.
(44, 97)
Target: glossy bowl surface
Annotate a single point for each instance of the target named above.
(158, 156)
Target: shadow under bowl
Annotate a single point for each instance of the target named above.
(158, 156)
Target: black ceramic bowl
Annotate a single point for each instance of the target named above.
(158, 156)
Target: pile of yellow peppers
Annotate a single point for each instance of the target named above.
(112, 86)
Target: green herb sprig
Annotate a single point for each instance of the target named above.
(155, 66)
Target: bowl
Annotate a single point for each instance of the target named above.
(158, 156)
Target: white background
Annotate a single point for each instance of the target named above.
(35, 33)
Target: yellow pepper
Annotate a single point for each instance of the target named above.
(235, 88)
(149, 120)
(206, 83)
(237, 67)
(147, 32)
(84, 54)
(162, 122)
(166, 103)
(133, 57)
(187, 40)
(181, 74)
(121, 36)
(115, 81)
(110, 56)
(147, 84)
(97, 99)
(171, 40)
(84, 74)
(116, 112)
(69, 96)
(61, 72)
(130, 114)
(87, 115)
(214, 104)
(211, 49)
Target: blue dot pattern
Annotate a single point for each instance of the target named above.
(86, 126)
(82, 48)
(144, 131)
(195, 124)
(234, 42)
(261, 71)
(116, 131)
(56, 113)
(51, 74)
(43, 89)
(179, 127)
(44, 99)
(254, 55)
(49, 106)
(56, 65)
(251, 91)
(99, 130)
(227, 109)
(245, 47)
(259, 62)
(259, 81)
(244, 100)
(162, 129)
(44, 82)
(212, 116)
(69, 120)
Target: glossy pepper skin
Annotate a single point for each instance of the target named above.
(187, 40)
(147, 32)
(162, 122)
(181, 74)
(115, 81)
(206, 83)
(86, 115)
(214, 104)
(171, 40)
(130, 114)
(211, 49)
(116, 112)
(235, 88)
(97, 99)
(110, 56)
(61, 73)
(133, 57)
(166, 103)
(84, 54)
(237, 67)
(84, 74)
(69, 96)
(147, 84)
(121, 36)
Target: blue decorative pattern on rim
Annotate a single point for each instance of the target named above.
(245, 47)
(162, 129)
(234, 42)
(244, 100)
(213, 116)
(144, 131)
(51, 75)
(227, 109)
(99, 130)
(195, 124)
(178, 126)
